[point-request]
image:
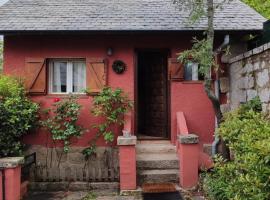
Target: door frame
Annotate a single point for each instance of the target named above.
(166, 52)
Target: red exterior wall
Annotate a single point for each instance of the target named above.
(187, 97)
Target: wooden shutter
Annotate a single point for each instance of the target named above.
(96, 74)
(36, 75)
(175, 70)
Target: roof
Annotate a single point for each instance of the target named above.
(118, 15)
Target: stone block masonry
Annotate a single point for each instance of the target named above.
(250, 77)
(55, 166)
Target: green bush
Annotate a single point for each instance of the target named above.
(17, 116)
(10, 87)
(247, 175)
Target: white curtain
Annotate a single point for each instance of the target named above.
(79, 74)
(59, 77)
(195, 72)
(56, 77)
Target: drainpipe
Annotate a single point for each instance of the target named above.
(217, 89)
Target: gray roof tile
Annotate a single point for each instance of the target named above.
(128, 15)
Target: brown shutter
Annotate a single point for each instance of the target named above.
(96, 74)
(175, 70)
(36, 75)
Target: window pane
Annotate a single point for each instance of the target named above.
(79, 74)
(188, 71)
(195, 72)
(59, 80)
(191, 71)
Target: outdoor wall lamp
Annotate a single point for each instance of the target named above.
(109, 51)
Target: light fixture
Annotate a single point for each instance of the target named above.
(109, 51)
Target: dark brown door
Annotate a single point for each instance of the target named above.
(152, 94)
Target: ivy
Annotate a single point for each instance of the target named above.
(61, 120)
(111, 105)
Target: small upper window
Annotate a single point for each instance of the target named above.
(67, 76)
(192, 72)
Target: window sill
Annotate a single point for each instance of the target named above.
(192, 82)
(64, 96)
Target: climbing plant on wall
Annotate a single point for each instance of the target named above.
(111, 105)
(61, 121)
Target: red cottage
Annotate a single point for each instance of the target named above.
(65, 46)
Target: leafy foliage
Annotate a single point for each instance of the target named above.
(11, 87)
(1, 56)
(247, 176)
(90, 196)
(17, 116)
(61, 121)
(111, 105)
(261, 6)
(199, 54)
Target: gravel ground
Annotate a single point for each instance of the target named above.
(103, 195)
(87, 196)
(76, 196)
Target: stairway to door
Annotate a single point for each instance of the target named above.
(157, 162)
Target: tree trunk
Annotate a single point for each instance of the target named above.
(208, 80)
(222, 149)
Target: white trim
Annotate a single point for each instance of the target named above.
(50, 77)
(69, 77)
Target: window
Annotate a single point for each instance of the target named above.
(67, 76)
(192, 72)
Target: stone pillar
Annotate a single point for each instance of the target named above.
(127, 162)
(188, 160)
(11, 168)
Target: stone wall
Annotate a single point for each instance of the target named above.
(52, 165)
(249, 77)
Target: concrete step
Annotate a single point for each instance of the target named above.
(153, 142)
(155, 148)
(157, 161)
(158, 176)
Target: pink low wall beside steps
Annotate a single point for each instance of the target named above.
(190, 153)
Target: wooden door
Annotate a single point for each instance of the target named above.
(152, 94)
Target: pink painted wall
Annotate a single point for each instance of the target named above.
(127, 165)
(189, 98)
(13, 183)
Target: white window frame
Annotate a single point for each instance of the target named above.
(194, 71)
(69, 82)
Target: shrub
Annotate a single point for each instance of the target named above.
(10, 87)
(247, 176)
(17, 116)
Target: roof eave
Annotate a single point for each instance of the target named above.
(7, 32)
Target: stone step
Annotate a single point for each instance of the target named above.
(157, 161)
(158, 176)
(155, 148)
(153, 142)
